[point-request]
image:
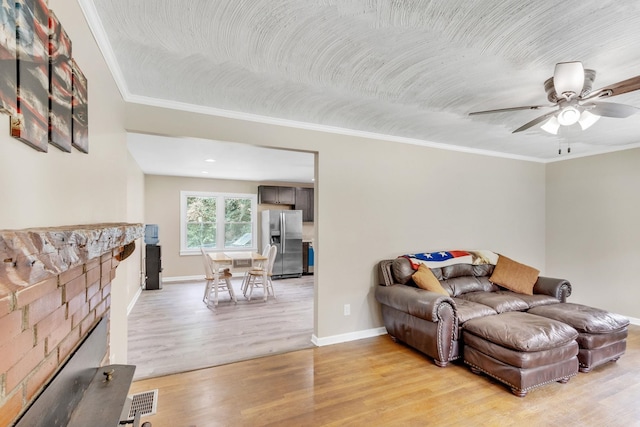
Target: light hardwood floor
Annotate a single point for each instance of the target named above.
(171, 330)
(376, 382)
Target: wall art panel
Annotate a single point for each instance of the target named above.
(8, 71)
(60, 88)
(80, 110)
(30, 124)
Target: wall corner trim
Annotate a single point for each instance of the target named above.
(134, 300)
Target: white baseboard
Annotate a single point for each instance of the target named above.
(182, 278)
(134, 300)
(633, 320)
(351, 336)
(192, 278)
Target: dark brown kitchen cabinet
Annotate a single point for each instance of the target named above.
(275, 195)
(304, 202)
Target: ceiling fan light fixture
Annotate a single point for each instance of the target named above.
(552, 125)
(568, 79)
(568, 116)
(587, 119)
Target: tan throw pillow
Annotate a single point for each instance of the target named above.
(425, 279)
(514, 276)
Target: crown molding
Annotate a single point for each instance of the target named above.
(97, 29)
(211, 111)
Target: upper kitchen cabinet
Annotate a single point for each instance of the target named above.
(304, 202)
(274, 195)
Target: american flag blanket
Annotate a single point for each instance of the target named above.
(445, 258)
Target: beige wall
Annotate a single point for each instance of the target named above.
(593, 231)
(377, 199)
(56, 188)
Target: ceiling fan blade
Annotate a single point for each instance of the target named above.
(619, 88)
(504, 110)
(534, 122)
(568, 78)
(612, 109)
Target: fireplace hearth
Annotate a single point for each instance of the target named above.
(83, 393)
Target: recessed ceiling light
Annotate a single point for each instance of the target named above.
(205, 172)
(210, 160)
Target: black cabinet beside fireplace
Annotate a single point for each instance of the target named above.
(153, 267)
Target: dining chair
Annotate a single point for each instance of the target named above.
(257, 268)
(212, 277)
(256, 278)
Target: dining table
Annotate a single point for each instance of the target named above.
(231, 260)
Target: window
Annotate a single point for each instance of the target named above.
(217, 221)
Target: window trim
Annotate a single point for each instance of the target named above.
(184, 194)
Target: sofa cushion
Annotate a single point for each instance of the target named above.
(500, 301)
(521, 331)
(402, 270)
(521, 359)
(483, 270)
(465, 284)
(584, 318)
(514, 276)
(537, 300)
(425, 279)
(457, 270)
(437, 271)
(468, 310)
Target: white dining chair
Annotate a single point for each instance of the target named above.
(258, 267)
(216, 281)
(257, 278)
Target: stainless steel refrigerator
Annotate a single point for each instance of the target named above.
(284, 229)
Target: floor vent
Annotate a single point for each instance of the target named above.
(144, 403)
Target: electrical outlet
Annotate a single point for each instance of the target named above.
(347, 309)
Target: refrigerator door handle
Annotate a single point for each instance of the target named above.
(283, 232)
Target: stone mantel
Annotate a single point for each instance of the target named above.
(31, 255)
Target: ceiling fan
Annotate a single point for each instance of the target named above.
(570, 91)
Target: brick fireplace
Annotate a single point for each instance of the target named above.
(55, 285)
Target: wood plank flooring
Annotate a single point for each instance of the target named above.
(376, 382)
(171, 330)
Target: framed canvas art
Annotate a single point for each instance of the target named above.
(30, 124)
(80, 110)
(8, 72)
(60, 88)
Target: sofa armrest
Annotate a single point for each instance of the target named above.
(558, 288)
(415, 301)
(385, 276)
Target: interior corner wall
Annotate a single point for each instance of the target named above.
(135, 214)
(378, 199)
(593, 233)
(56, 188)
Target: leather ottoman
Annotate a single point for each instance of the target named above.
(602, 336)
(521, 350)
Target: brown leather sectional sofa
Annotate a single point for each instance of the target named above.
(504, 339)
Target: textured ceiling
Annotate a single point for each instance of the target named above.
(411, 70)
